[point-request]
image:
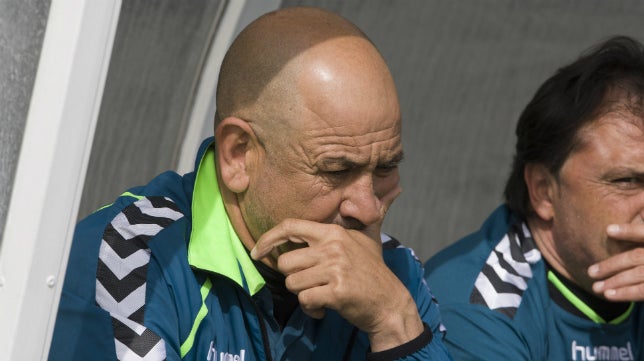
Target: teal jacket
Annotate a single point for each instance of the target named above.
(161, 274)
(493, 288)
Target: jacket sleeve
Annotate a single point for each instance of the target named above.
(102, 306)
(429, 345)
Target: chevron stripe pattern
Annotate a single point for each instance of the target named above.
(506, 273)
(122, 273)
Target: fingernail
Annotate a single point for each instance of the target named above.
(612, 228)
(593, 270)
(610, 293)
(253, 253)
(598, 286)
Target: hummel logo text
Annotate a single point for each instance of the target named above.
(224, 356)
(602, 353)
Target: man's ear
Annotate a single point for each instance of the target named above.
(234, 139)
(541, 188)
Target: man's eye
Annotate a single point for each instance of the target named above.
(628, 181)
(337, 174)
(384, 170)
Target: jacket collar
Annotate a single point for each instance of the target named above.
(214, 246)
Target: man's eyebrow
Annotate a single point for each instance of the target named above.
(346, 163)
(339, 162)
(393, 161)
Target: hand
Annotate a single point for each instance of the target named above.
(621, 277)
(343, 270)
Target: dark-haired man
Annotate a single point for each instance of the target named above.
(556, 273)
(272, 248)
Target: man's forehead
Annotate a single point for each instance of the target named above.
(353, 155)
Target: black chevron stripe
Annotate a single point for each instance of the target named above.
(124, 247)
(477, 299)
(499, 285)
(139, 344)
(162, 202)
(134, 215)
(508, 311)
(137, 316)
(515, 249)
(391, 244)
(527, 243)
(505, 265)
(119, 289)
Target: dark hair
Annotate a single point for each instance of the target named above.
(573, 97)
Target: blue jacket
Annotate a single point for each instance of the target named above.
(493, 287)
(161, 274)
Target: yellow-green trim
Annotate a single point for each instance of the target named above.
(582, 306)
(214, 245)
(186, 346)
(125, 194)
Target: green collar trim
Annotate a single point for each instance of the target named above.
(214, 245)
(582, 306)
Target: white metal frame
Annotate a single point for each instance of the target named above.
(55, 152)
(51, 170)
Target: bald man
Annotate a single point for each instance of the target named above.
(272, 248)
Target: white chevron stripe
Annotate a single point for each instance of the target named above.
(146, 207)
(493, 298)
(126, 307)
(122, 267)
(134, 326)
(129, 231)
(533, 256)
(526, 230)
(503, 247)
(123, 353)
(506, 276)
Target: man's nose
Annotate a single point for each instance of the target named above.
(360, 201)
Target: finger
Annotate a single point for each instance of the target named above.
(297, 260)
(315, 298)
(634, 293)
(298, 231)
(627, 232)
(287, 230)
(627, 278)
(317, 313)
(306, 279)
(617, 263)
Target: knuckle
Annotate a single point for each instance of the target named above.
(290, 282)
(336, 231)
(305, 299)
(288, 225)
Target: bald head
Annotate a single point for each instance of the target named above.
(262, 72)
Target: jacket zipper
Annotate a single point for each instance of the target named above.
(262, 326)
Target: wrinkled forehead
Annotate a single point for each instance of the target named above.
(359, 144)
(620, 120)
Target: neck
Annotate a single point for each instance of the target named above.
(233, 210)
(542, 236)
(577, 301)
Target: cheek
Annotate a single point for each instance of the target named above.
(383, 186)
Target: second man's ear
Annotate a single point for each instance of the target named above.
(542, 188)
(235, 140)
